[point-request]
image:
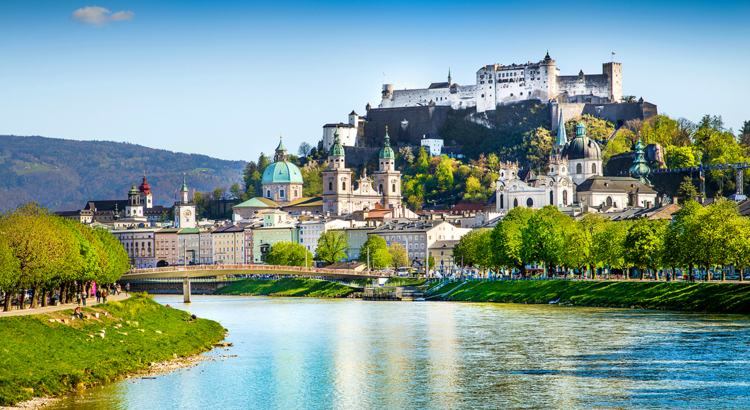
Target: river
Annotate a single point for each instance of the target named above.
(302, 353)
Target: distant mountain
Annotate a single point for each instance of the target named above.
(64, 174)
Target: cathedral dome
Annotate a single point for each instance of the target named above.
(282, 172)
(582, 147)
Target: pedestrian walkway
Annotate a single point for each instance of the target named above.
(41, 310)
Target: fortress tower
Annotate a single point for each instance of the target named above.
(613, 71)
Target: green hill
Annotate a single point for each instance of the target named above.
(64, 174)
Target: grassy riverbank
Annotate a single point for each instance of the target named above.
(696, 297)
(287, 287)
(40, 358)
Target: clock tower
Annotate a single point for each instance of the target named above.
(184, 210)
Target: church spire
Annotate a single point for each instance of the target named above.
(450, 80)
(562, 139)
(280, 152)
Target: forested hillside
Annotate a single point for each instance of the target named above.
(64, 174)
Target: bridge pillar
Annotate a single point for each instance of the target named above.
(186, 290)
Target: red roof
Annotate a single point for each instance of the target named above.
(467, 207)
(145, 188)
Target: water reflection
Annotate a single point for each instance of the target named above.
(348, 354)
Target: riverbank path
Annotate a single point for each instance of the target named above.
(41, 310)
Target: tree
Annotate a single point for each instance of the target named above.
(493, 163)
(506, 239)
(645, 241)
(235, 191)
(473, 248)
(472, 185)
(406, 155)
(288, 253)
(423, 161)
(686, 191)
(312, 176)
(711, 232)
(332, 247)
(744, 135)
(377, 249)
(543, 236)
(252, 178)
(430, 263)
(680, 157)
(399, 258)
(9, 268)
(263, 163)
(444, 177)
(538, 145)
(628, 98)
(608, 246)
(304, 149)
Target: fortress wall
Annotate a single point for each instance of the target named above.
(409, 98)
(421, 121)
(618, 114)
(592, 84)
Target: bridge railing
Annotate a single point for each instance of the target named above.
(250, 267)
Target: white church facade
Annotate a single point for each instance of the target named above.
(341, 197)
(574, 177)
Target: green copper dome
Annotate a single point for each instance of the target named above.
(336, 149)
(184, 185)
(582, 147)
(387, 151)
(134, 190)
(281, 172)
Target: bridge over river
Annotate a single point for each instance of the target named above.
(218, 271)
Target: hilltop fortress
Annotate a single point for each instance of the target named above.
(498, 84)
(501, 92)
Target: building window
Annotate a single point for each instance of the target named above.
(515, 203)
(565, 198)
(609, 201)
(343, 186)
(330, 186)
(579, 169)
(593, 168)
(501, 201)
(268, 193)
(530, 202)
(551, 200)
(393, 188)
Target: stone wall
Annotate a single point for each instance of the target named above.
(406, 125)
(618, 114)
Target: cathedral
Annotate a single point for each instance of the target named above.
(574, 177)
(282, 180)
(341, 197)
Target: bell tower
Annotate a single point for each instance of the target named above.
(387, 178)
(337, 180)
(184, 210)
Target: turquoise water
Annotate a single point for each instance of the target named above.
(348, 354)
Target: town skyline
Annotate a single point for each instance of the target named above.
(167, 77)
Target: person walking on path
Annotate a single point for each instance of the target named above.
(127, 288)
(78, 298)
(98, 295)
(105, 293)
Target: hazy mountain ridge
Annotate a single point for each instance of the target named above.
(64, 174)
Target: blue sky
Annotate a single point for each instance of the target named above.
(225, 78)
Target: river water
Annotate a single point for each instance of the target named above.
(300, 353)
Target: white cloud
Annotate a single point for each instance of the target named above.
(99, 16)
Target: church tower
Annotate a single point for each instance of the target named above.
(387, 178)
(145, 189)
(337, 180)
(134, 209)
(559, 181)
(184, 210)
